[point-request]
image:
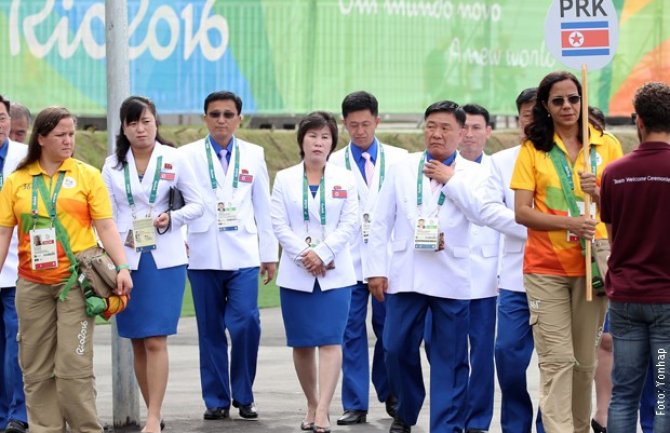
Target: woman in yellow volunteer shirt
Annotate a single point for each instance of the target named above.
(550, 181)
(53, 196)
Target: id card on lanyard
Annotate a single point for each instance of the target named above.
(227, 217)
(142, 236)
(427, 235)
(312, 239)
(365, 216)
(43, 245)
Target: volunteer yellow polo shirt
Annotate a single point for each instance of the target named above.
(83, 198)
(550, 252)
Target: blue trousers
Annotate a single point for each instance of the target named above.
(12, 398)
(639, 332)
(403, 332)
(513, 351)
(481, 387)
(648, 401)
(227, 300)
(355, 359)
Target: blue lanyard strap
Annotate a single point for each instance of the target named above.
(322, 199)
(382, 164)
(419, 185)
(210, 163)
(154, 183)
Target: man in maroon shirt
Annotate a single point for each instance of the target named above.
(635, 206)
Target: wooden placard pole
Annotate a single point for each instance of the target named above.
(587, 168)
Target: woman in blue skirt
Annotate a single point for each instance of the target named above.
(314, 216)
(139, 177)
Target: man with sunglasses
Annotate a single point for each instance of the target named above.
(228, 247)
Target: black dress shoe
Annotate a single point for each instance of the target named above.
(350, 417)
(16, 426)
(399, 426)
(216, 413)
(247, 411)
(391, 404)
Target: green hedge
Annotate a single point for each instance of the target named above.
(281, 149)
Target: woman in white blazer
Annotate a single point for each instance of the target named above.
(139, 177)
(314, 216)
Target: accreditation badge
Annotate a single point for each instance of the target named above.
(426, 234)
(144, 234)
(226, 217)
(365, 227)
(43, 251)
(572, 237)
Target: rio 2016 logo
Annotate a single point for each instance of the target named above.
(68, 41)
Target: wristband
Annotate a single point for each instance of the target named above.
(123, 266)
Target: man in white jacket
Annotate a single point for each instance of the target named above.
(427, 202)
(228, 246)
(514, 339)
(369, 160)
(484, 244)
(13, 417)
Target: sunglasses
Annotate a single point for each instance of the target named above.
(560, 100)
(216, 114)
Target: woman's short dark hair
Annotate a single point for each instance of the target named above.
(45, 122)
(131, 110)
(317, 120)
(541, 129)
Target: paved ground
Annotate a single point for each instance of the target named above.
(279, 400)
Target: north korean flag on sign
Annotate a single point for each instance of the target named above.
(585, 38)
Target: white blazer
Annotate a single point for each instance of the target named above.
(444, 273)
(498, 213)
(170, 249)
(367, 195)
(210, 248)
(484, 245)
(289, 226)
(9, 272)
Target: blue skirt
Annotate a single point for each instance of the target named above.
(317, 318)
(155, 301)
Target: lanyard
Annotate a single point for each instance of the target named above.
(382, 165)
(210, 163)
(154, 184)
(39, 187)
(567, 170)
(419, 185)
(322, 200)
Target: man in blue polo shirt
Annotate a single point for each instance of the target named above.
(635, 204)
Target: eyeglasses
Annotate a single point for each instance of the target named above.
(633, 118)
(216, 114)
(560, 100)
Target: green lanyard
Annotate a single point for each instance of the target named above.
(565, 177)
(566, 170)
(419, 185)
(39, 185)
(210, 163)
(382, 165)
(322, 200)
(154, 184)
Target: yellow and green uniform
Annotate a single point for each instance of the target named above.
(550, 252)
(82, 198)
